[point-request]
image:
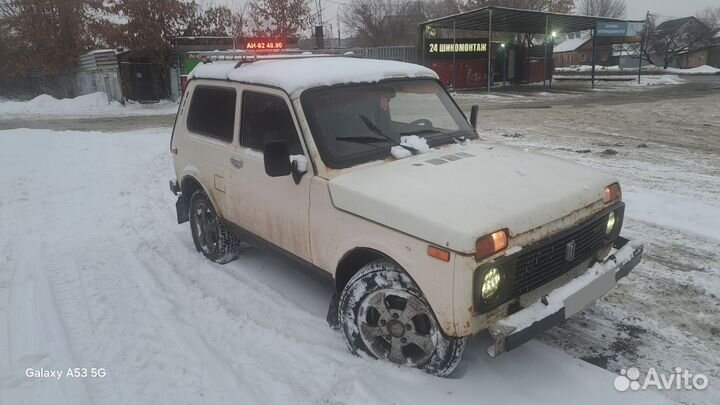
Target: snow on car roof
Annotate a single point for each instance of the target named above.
(294, 75)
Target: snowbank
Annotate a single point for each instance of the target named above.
(95, 104)
(626, 80)
(700, 70)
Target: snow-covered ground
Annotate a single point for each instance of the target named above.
(616, 82)
(666, 152)
(700, 70)
(90, 105)
(95, 273)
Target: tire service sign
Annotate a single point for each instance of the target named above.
(463, 48)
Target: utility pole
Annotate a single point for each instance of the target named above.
(338, 25)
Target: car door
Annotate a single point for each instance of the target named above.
(273, 208)
(210, 129)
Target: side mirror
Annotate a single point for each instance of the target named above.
(473, 115)
(277, 159)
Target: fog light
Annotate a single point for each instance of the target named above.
(491, 284)
(610, 223)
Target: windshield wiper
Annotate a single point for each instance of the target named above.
(361, 139)
(421, 131)
(369, 124)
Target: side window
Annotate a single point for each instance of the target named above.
(266, 118)
(212, 112)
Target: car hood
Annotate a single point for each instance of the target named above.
(453, 196)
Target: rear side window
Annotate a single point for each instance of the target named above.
(266, 118)
(212, 112)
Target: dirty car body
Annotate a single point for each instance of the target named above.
(492, 238)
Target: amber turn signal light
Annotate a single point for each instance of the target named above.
(612, 193)
(438, 253)
(490, 244)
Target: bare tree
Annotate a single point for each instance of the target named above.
(383, 22)
(217, 21)
(439, 8)
(147, 26)
(710, 16)
(280, 18)
(42, 36)
(556, 6)
(393, 22)
(603, 8)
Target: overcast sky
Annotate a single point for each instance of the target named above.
(674, 8)
(636, 9)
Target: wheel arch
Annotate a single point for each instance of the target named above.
(355, 259)
(189, 185)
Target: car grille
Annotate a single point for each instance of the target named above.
(539, 265)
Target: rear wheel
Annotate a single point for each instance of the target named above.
(211, 237)
(384, 314)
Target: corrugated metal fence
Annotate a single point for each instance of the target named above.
(399, 53)
(99, 71)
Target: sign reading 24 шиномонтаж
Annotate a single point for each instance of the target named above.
(462, 48)
(619, 29)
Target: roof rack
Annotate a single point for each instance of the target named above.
(242, 56)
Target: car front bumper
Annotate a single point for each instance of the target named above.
(564, 302)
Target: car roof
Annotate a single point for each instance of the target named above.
(297, 74)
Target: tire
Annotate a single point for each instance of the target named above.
(384, 315)
(211, 237)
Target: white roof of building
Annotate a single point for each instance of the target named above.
(569, 45)
(296, 74)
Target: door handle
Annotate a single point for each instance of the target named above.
(236, 162)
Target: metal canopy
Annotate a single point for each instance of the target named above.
(516, 20)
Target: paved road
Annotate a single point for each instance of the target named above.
(572, 93)
(102, 124)
(562, 94)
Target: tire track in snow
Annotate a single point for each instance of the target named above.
(38, 335)
(208, 293)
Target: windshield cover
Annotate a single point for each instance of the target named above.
(354, 124)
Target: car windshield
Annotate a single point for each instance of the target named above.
(355, 124)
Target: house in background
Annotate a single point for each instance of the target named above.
(704, 55)
(578, 51)
(685, 36)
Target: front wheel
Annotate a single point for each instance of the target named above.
(384, 314)
(211, 237)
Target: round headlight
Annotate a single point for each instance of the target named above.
(610, 223)
(491, 284)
